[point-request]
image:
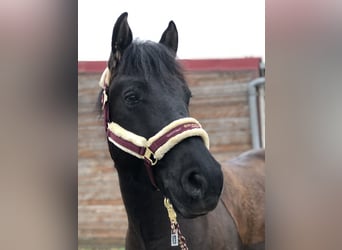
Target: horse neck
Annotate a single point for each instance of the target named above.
(144, 205)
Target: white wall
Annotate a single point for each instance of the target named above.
(207, 29)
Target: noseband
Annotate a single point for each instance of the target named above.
(153, 149)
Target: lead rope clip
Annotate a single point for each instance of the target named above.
(177, 238)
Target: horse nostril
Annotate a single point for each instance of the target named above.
(194, 184)
(195, 180)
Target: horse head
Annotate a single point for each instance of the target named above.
(147, 91)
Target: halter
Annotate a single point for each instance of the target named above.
(153, 149)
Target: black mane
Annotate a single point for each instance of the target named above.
(151, 60)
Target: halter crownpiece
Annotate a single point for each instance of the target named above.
(105, 78)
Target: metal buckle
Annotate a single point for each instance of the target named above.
(149, 155)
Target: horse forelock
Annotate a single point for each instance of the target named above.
(153, 62)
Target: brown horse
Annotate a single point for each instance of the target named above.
(152, 139)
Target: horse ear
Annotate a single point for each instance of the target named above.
(170, 37)
(121, 38)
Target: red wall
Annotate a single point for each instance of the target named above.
(250, 63)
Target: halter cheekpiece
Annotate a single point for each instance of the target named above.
(153, 149)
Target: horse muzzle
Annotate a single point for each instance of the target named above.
(191, 178)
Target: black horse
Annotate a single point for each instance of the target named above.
(146, 91)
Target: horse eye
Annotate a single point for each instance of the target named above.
(132, 98)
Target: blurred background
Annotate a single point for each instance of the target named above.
(222, 50)
(207, 29)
